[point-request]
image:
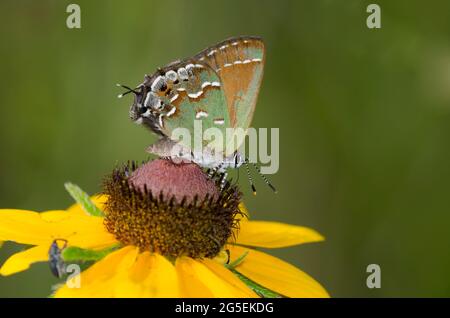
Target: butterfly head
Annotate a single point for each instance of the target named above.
(153, 99)
(145, 107)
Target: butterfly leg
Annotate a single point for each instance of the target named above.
(223, 180)
(217, 169)
(211, 172)
(218, 174)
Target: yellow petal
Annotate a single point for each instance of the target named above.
(99, 200)
(99, 280)
(191, 286)
(22, 260)
(28, 227)
(209, 279)
(229, 277)
(152, 275)
(276, 275)
(274, 234)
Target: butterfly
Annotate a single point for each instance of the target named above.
(218, 87)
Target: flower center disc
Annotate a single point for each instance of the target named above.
(172, 209)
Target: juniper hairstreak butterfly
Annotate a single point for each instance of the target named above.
(219, 87)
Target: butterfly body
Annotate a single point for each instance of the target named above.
(168, 148)
(218, 86)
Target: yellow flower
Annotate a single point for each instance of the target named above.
(160, 230)
(126, 272)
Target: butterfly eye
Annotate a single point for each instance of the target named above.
(145, 112)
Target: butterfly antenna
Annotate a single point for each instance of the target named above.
(250, 179)
(264, 177)
(129, 90)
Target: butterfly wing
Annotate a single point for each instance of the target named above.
(219, 87)
(193, 100)
(239, 62)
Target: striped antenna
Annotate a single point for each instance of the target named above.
(129, 90)
(264, 177)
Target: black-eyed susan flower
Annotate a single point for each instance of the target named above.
(162, 230)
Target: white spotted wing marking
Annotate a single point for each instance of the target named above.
(171, 76)
(158, 83)
(202, 90)
(213, 84)
(183, 74)
(219, 121)
(196, 95)
(171, 111)
(168, 114)
(230, 63)
(213, 51)
(201, 114)
(205, 84)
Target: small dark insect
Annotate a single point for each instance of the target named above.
(55, 261)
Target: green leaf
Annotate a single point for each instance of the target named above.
(260, 290)
(73, 254)
(83, 199)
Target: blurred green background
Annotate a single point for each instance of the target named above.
(364, 118)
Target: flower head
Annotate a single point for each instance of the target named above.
(172, 209)
(157, 233)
